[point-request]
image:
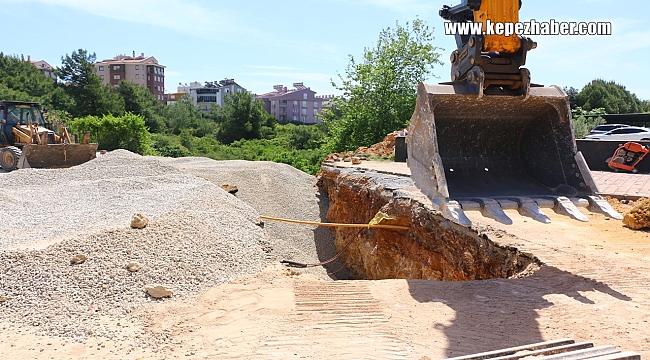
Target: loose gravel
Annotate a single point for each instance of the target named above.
(277, 190)
(198, 235)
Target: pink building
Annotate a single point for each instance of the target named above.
(299, 104)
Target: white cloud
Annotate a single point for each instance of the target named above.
(181, 16)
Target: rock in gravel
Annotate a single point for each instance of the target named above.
(78, 259)
(158, 291)
(231, 189)
(139, 221)
(133, 267)
(4, 298)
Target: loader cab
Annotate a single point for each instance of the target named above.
(18, 114)
(23, 114)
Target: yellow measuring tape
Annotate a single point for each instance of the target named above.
(371, 225)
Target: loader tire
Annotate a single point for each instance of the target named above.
(9, 158)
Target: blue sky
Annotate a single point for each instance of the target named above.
(263, 43)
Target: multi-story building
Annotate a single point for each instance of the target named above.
(45, 68)
(145, 71)
(299, 104)
(208, 95)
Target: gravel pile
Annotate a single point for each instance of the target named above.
(281, 191)
(198, 236)
(44, 205)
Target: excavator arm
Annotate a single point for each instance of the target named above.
(490, 141)
(489, 60)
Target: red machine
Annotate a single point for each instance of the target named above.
(627, 156)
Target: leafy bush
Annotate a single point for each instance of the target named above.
(124, 132)
(583, 124)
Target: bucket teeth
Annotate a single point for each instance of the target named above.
(453, 211)
(528, 207)
(599, 205)
(564, 206)
(490, 208)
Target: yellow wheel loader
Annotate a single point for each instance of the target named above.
(26, 140)
(490, 140)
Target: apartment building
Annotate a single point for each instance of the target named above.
(43, 66)
(207, 95)
(142, 70)
(299, 104)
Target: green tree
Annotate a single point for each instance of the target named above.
(612, 97)
(380, 91)
(139, 100)
(21, 81)
(242, 117)
(184, 115)
(110, 132)
(85, 87)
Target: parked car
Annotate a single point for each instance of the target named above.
(628, 133)
(601, 129)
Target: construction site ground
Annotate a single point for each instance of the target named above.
(595, 287)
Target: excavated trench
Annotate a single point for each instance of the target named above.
(433, 248)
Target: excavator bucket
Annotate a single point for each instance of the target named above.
(56, 155)
(497, 152)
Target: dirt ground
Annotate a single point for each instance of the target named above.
(594, 287)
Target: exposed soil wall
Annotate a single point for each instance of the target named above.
(434, 248)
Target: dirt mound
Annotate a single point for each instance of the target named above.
(622, 206)
(639, 216)
(385, 148)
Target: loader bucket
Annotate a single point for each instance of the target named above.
(57, 155)
(503, 148)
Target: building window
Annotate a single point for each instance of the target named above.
(137, 76)
(281, 117)
(283, 102)
(206, 91)
(101, 77)
(304, 104)
(273, 103)
(116, 77)
(206, 99)
(304, 118)
(304, 111)
(304, 96)
(295, 103)
(137, 67)
(101, 68)
(315, 112)
(116, 67)
(148, 77)
(315, 104)
(295, 118)
(295, 110)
